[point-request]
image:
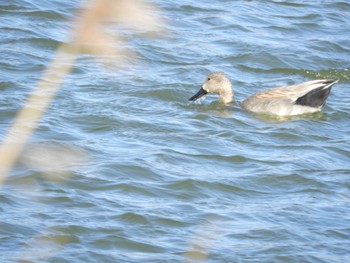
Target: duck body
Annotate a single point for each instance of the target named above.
(306, 97)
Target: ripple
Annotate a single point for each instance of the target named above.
(341, 74)
(165, 179)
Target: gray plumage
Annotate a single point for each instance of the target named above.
(306, 97)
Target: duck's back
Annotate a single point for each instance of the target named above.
(306, 97)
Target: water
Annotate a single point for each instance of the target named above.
(152, 178)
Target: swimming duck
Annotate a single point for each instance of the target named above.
(306, 97)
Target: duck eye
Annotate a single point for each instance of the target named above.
(208, 79)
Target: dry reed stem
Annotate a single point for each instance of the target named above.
(37, 103)
(42, 246)
(54, 161)
(202, 241)
(89, 36)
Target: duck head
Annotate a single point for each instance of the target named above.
(216, 82)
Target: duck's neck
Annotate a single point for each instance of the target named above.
(226, 96)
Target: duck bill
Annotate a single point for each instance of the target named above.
(198, 95)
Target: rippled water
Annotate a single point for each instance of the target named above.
(168, 181)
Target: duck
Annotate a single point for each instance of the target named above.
(298, 99)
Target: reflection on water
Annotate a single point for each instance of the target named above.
(309, 116)
(215, 108)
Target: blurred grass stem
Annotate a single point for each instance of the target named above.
(38, 102)
(89, 36)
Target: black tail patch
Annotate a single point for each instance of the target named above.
(317, 97)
